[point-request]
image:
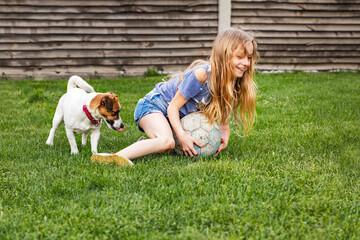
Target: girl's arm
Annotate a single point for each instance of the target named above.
(225, 135)
(185, 140)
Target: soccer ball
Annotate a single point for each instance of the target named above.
(208, 135)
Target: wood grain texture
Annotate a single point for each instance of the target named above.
(55, 39)
(321, 35)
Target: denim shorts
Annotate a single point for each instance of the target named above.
(151, 103)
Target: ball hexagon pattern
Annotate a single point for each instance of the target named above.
(207, 134)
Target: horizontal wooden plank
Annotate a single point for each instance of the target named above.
(180, 16)
(108, 23)
(75, 54)
(296, 6)
(178, 52)
(125, 54)
(300, 1)
(177, 22)
(314, 48)
(263, 45)
(298, 27)
(292, 13)
(113, 30)
(299, 34)
(311, 54)
(175, 30)
(307, 67)
(293, 20)
(163, 61)
(107, 3)
(100, 16)
(144, 46)
(104, 45)
(309, 41)
(46, 38)
(116, 61)
(109, 9)
(64, 72)
(100, 53)
(293, 60)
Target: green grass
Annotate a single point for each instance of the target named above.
(296, 176)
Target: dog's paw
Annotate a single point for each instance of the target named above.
(50, 143)
(74, 152)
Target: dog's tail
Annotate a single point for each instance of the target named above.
(78, 81)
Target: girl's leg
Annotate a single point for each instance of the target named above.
(158, 129)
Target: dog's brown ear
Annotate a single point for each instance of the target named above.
(108, 102)
(97, 101)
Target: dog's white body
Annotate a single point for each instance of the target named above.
(70, 111)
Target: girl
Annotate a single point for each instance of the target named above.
(218, 88)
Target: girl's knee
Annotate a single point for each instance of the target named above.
(167, 143)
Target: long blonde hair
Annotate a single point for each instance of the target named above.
(228, 92)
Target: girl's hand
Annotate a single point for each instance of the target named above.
(225, 135)
(222, 146)
(186, 143)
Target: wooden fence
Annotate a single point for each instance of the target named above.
(44, 39)
(320, 35)
(54, 39)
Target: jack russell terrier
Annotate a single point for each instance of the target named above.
(82, 112)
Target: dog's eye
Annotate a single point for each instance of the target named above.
(115, 113)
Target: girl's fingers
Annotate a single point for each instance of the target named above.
(192, 148)
(190, 152)
(221, 147)
(197, 143)
(193, 152)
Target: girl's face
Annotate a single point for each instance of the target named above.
(241, 59)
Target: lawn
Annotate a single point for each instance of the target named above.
(296, 176)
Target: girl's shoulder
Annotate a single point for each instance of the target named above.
(201, 75)
(201, 72)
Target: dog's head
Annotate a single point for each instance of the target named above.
(108, 106)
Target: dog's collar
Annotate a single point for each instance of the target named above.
(90, 117)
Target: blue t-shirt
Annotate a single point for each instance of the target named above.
(189, 87)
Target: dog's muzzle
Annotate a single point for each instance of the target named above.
(112, 124)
